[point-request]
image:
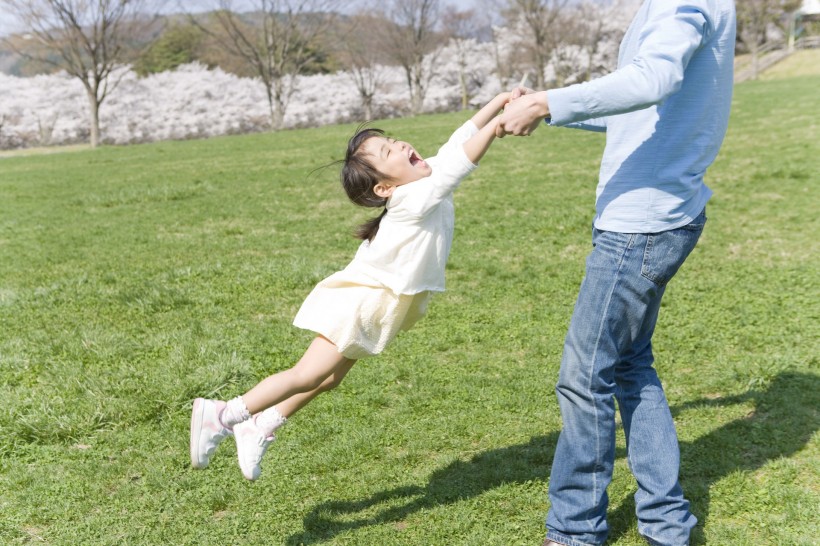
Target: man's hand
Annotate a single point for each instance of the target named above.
(524, 113)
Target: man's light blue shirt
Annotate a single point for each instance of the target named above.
(665, 111)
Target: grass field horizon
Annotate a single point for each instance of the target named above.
(133, 279)
(803, 62)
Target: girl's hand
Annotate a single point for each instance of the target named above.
(524, 115)
(519, 91)
(491, 110)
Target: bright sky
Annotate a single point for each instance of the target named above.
(9, 24)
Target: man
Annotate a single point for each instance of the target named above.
(665, 111)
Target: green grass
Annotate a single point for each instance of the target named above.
(802, 62)
(135, 279)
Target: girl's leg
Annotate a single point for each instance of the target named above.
(296, 402)
(320, 369)
(321, 362)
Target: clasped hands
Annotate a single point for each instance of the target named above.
(524, 112)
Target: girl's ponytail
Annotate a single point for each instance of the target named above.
(359, 177)
(368, 230)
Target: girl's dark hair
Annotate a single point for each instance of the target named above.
(359, 177)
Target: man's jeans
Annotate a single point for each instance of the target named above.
(608, 353)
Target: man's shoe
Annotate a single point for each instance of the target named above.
(206, 430)
(251, 445)
(548, 542)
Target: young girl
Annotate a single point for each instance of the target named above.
(359, 310)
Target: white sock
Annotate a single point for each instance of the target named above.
(234, 413)
(270, 420)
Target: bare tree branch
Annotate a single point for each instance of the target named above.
(361, 55)
(277, 41)
(753, 20)
(87, 37)
(542, 19)
(412, 42)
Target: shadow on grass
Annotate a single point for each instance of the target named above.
(455, 482)
(783, 421)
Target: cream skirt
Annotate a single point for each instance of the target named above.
(357, 314)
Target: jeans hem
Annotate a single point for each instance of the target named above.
(653, 542)
(565, 540)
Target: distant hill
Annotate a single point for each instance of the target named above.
(17, 65)
(209, 54)
(8, 61)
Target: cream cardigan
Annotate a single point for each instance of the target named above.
(410, 250)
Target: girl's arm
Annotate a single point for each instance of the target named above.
(491, 110)
(486, 120)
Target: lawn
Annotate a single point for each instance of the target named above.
(133, 279)
(800, 63)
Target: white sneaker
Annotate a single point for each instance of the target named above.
(206, 430)
(251, 445)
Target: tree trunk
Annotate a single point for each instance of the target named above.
(276, 104)
(465, 98)
(94, 118)
(367, 104)
(540, 65)
(271, 107)
(416, 101)
(415, 83)
(278, 116)
(278, 119)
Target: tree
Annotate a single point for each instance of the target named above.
(460, 27)
(86, 38)
(278, 40)
(411, 42)
(753, 20)
(178, 45)
(542, 21)
(502, 41)
(362, 57)
(593, 30)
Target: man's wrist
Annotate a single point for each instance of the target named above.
(544, 106)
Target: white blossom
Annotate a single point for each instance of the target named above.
(196, 102)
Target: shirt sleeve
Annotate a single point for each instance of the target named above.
(595, 124)
(671, 35)
(458, 138)
(451, 164)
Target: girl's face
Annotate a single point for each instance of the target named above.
(397, 160)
